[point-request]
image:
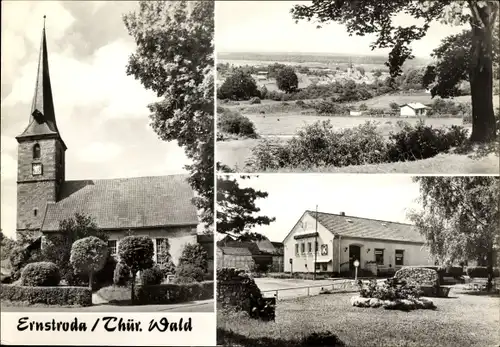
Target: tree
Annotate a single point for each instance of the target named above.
(196, 255)
(137, 253)
(57, 246)
(287, 80)
(89, 255)
(374, 17)
(174, 58)
(272, 70)
(6, 246)
(240, 85)
(460, 218)
(236, 206)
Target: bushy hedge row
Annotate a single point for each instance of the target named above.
(418, 276)
(40, 274)
(173, 293)
(320, 144)
(60, 295)
(481, 271)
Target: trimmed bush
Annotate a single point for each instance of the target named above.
(151, 276)
(104, 277)
(173, 293)
(418, 276)
(47, 295)
(481, 272)
(121, 275)
(187, 273)
(391, 289)
(41, 274)
(88, 256)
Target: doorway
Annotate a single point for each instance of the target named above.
(354, 254)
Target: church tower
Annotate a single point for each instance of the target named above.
(40, 155)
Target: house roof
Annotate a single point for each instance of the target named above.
(368, 228)
(266, 246)
(126, 203)
(235, 250)
(415, 105)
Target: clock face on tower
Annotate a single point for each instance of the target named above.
(37, 169)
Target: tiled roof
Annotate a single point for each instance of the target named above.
(126, 203)
(265, 246)
(235, 250)
(415, 105)
(368, 228)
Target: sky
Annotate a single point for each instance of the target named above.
(267, 26)
(101, 112)
(383, 197)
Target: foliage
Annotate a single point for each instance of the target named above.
(163, 294)
(151, 276)
(330, 107)
(137, 253)
(41, 274)
(189, 273)
(236, 209)
(367, 17)
(104, 277)
(121, 275)
(255, 100)
(418, 276)
(89, 255)
(6, 246)
(460, 218)
(168, 268)
(174, 58)
(287, 80)
(60, 295)
(196, 255)
(233, 122)
(481, 271)
(57, 246)
(391, 289)
(240, 85)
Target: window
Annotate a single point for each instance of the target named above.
(309, 247)
(324, 267)
(317, 266)
(379, 256)
(36, 151)
(297, 248)
(112, 246)
(162, 250)
(302, 248)
(399, 257)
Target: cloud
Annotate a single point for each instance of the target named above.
(8, 167)
(98, 152)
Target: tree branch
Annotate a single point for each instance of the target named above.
(475, 13)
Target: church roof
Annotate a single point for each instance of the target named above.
(125, 203)
(42, 120)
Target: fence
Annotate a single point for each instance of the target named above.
(344, 286)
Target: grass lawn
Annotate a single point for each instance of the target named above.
(461, 320)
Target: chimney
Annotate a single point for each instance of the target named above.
(342, 214)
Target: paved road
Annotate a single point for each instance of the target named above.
(195, 306)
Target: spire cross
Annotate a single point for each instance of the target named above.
(44, 16)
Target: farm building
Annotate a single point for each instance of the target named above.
(237, 257)
(379, 246)
(414, 109)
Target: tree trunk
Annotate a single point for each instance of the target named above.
(132, 287)
(481, 80)
(91, 277)
(489, 285)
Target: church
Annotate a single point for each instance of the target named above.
(159, 207)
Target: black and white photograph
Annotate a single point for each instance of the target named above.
(358, 86)
(107, 156)
(357, 260)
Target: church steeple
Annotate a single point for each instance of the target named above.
(42, 120)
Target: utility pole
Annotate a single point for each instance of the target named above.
(316, 243)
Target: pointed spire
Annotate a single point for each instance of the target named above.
(42, 117)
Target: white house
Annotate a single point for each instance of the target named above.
(413, 109)
(341, 239)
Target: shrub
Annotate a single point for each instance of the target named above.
(167, 268)
(89, 255)
(418, 276)
(269, 153)
(47, 295)
(287, 80)
(196, 255)
(254, 100)
(238, 86)
(121, 275)
(41, 274)
(481, 271)
(151, 276)
(174, 293)
(187, 273)
(104, 277)
(394, 106)
(456, 136)
(391, 289)
(232, 122)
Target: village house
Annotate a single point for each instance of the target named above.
(414, 109)
(159, 207)
(379, 246)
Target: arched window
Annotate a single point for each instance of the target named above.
(36, 151)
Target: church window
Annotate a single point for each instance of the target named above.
(36, 151)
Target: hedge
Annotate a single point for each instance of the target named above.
(43, 273)
(481, 271)
(419, 276)
(173, 293)
(62, 295)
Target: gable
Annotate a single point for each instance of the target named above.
(126, 203)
